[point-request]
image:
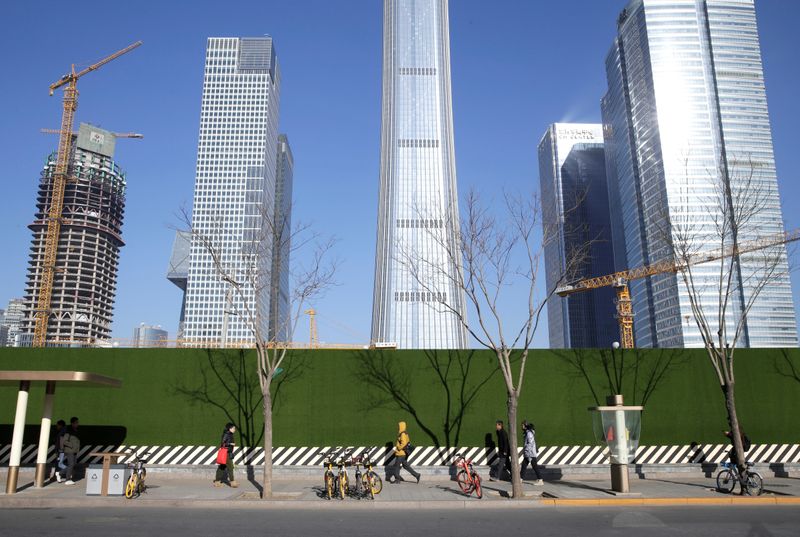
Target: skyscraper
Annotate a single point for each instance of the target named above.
(685, 112)
(574, 197)
(89, 242)
(234, 193)
(280, 301)
(418, 204)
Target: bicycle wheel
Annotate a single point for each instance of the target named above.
(754, 484)
(476, 480)
(376, 483)
(726, 481)
(366, 486)
(342, 486)
(131, 486)
(329, 484)
(464, 482)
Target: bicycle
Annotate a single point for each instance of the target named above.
(728, 477)
(136, 485)
(468, 479)
(369, 482)
(330, 477)
(342, 480)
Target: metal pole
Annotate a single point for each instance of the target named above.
(619, 471)
(44, 435)
(16, 439)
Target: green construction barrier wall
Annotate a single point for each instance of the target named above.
(343, 397)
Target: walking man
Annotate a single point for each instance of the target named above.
(530, 453)
(503, 453)
(61, 428)
(401, 456)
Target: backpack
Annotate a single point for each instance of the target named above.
(409, 447)
(746, 442)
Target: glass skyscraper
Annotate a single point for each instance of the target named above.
(418, 205)
(686, 111)
(234, 190)
(575, 212)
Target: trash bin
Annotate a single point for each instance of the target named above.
(118, 475)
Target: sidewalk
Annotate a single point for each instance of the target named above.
(172, 490)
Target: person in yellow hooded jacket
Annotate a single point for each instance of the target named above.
(400, 456)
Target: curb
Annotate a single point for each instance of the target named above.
(530, 503)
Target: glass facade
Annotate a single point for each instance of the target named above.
(418, 205)
(685, 112)
(575, 210)
(234, 195)
(280, 301)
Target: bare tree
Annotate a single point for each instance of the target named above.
(634, 372)
(734, 228)
(245, 266)
(491, 256)
(390, 384)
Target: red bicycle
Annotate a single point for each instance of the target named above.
(468, 479)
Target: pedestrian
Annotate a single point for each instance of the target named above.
(401, 447)
(71, 446)
(61, 428)
(226, 470)
(503, 453)
(530, 453)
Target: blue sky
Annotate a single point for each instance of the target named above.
(517, 65)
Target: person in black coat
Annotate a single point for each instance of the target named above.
(503, 453)
(226, 470)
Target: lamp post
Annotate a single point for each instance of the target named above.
(618, 426)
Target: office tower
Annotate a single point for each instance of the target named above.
(87, 259)
(15, 312)
(234, 192)
(418, 204)
(280, 302)
(686, 112)
(575, 212)
(149, 336)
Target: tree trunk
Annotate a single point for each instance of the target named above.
(267, 485)
(733, 419)
(516, 479)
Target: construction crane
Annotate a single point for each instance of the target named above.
(115, 134)
(313, 337)
(619, 280)
(70, 84)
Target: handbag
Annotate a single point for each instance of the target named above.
(222, 455)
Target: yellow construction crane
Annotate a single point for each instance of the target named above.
(619, 280)
(115, 134)
(313, 337)
(70, 84)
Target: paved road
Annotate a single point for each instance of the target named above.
(760, 521)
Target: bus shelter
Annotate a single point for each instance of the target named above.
(49, 378)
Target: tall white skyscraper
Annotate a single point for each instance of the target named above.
(280, 328)
(685, 118)
(234, 189)
(418, 205)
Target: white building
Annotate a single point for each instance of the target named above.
(234, 190)
(418, 204)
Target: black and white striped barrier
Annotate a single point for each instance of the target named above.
(429, 456)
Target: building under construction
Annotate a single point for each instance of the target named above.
(89, 241)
